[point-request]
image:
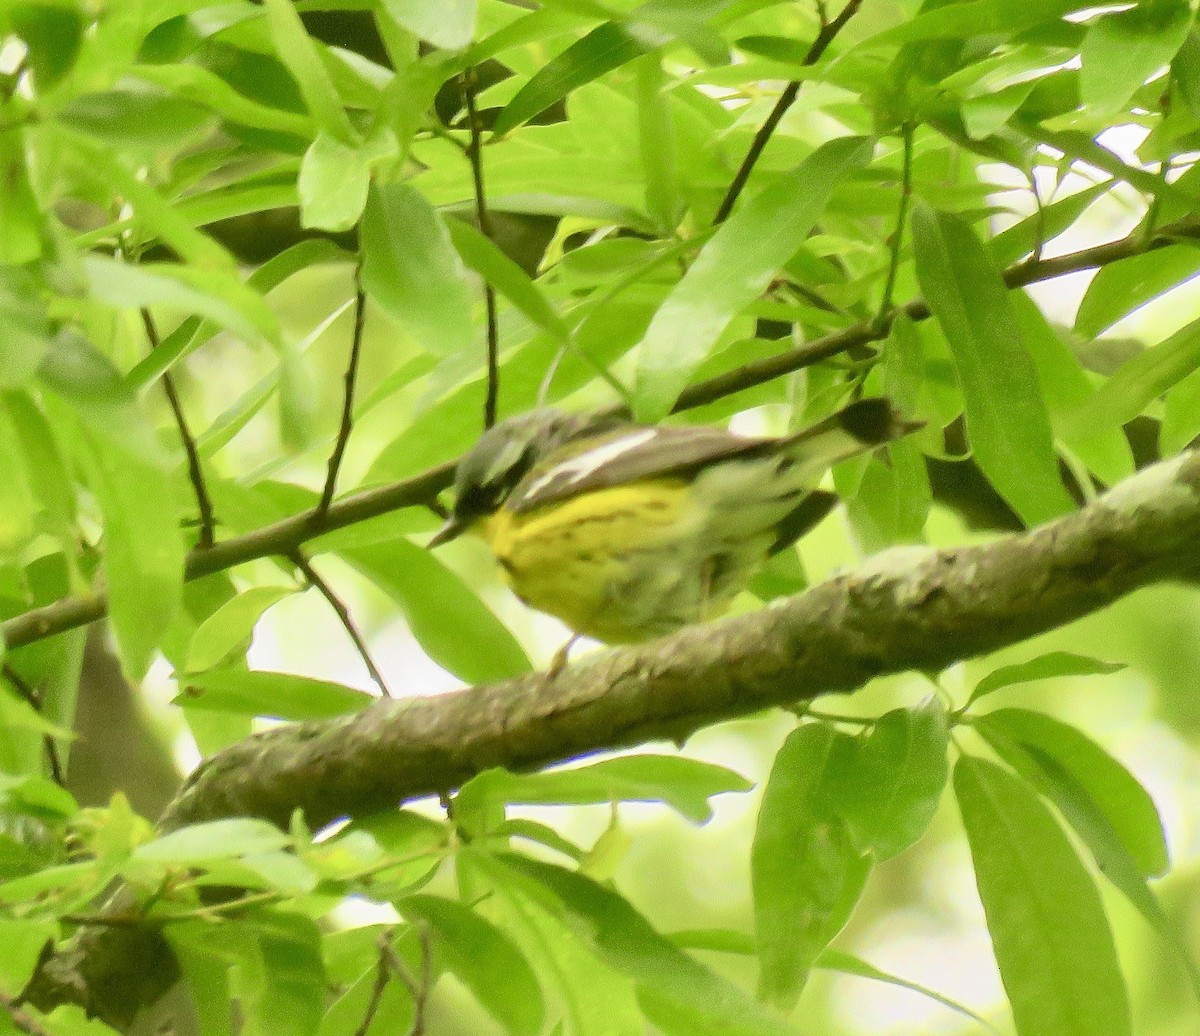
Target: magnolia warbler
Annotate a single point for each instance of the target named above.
(628, 531)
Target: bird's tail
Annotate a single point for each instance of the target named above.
(856, 428)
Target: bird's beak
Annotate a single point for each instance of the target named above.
(452, 529)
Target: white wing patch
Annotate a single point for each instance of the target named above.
(569, 472)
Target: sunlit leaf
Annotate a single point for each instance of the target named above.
(734, 268)
(411, 268)
(1049, 666)
(1007, 421)
(1049, 932)
(1123, 49)
(806, 872)
(684, 784)
(301, 55)
(484, 959)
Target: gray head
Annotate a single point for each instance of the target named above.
(503, 456)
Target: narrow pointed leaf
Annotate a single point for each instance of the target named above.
(734, 268)
(411, 268)
(1007, 421)
(1049, 932)
(806, 873)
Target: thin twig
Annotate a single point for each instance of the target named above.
(347, 423)
(382, 974)
(419, 988)
(829, 30)
(34, 700)
(885, 305)
(474, 154)
(315, 579)
(207, 535)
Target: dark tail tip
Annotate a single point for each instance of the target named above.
(875, 421)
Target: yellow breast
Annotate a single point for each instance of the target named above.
(579, 559)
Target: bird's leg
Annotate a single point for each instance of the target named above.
(559, 662)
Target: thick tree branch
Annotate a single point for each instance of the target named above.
(285, 536)
(909, 608)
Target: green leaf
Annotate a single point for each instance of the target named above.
(595, 999)
(1007, 421)
(481, 255)
(1049, 666)
(1181, 416)
(1121, 287)
(300, 54)
(975, 18)
(279, 695)
(1123, 49)
(91, 385)
(1064, 386)
(333, 184)
(606, 47)
(1137, 382)
(215, 840)
(53, 34)
(806, 873)
(1093, 822)
(23, 940)
(671, 984)
(453, 626)
(223, 299)
(889, 786)
(411, 269)
(1044, 225)
(734, 268)
(195, 83)
(1051, 938)
(193, 333)
(20, 218)
(141, 121)
(26, 327)
(18, 502)
(449, 24)
(684, 784)
(893, 499)
(1124, 803)
(656, 139)
(143, 549)
(228, 630)
(848, 964)
(484, 959)
(283, 992)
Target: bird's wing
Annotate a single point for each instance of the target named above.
(631, 454)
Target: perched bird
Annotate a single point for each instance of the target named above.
(626, 531)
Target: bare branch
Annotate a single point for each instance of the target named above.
(351, 377)
(281, 538)
(34, 701)
(474, 154)
(908, 608)
(316, 580)
(829, 30)
(207, 535)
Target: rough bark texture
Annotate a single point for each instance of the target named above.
(909, 608)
